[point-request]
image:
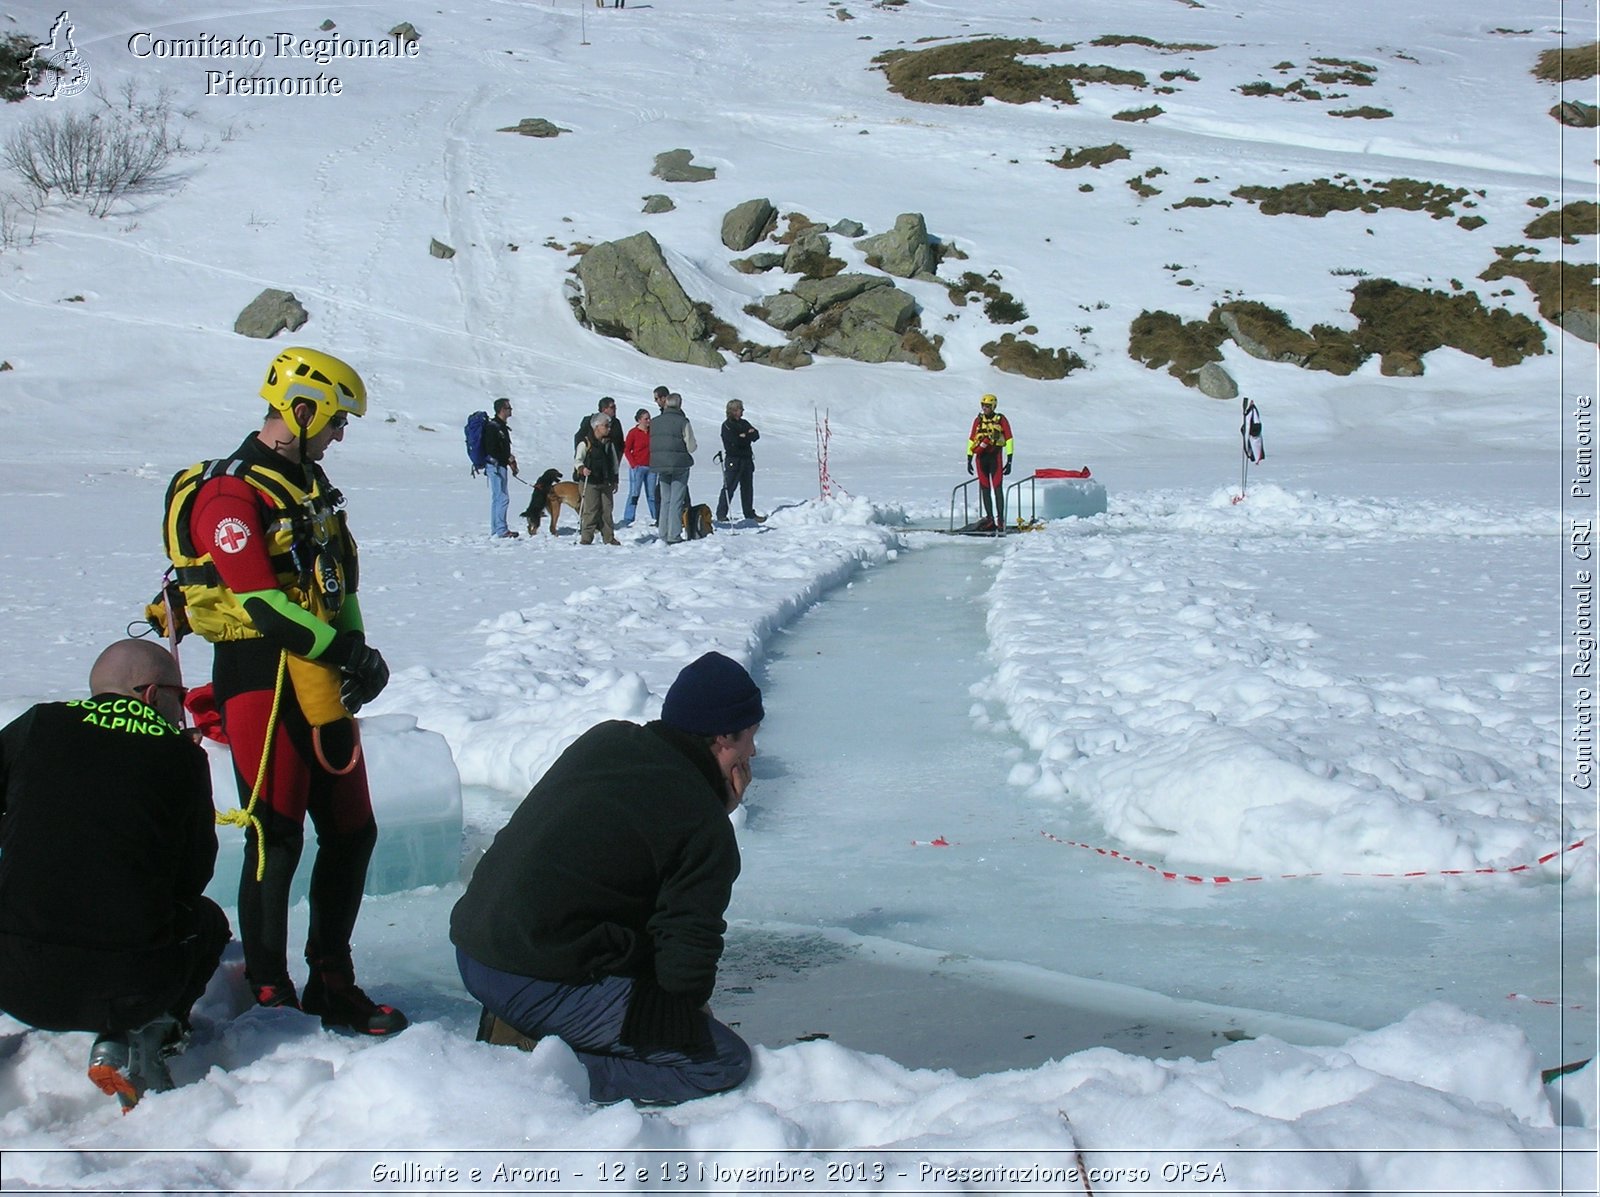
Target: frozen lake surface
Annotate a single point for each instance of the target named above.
(878, 753)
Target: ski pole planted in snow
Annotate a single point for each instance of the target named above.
(1252, 448)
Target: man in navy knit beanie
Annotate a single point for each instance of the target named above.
(596, 915)
(713, 696)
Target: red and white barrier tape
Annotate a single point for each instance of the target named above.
(1522, 997)
(1198, 879)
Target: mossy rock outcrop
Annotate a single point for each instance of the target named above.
(676, 166)
(811, 254)
(535, 126)
(630, 293)
(877, 325)
(747, 223)
(904, 251)
(269, 314)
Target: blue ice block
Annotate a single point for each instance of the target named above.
(416, 797)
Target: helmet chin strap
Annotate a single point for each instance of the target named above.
(301, 424)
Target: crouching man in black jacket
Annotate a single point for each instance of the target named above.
(107, 839)
(597, 913)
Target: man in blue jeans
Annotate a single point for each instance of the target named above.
(502, 462)
(597, 914)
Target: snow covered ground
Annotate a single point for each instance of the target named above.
(1365, 668)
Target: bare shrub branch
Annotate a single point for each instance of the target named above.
(124, 149)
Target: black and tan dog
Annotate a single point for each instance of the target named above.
(550, 495)
(697, 521)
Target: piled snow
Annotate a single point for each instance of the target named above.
(1138, 660)
(1357, 669)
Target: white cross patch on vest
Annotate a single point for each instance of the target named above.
(232, 535)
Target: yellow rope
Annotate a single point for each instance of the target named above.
(247, 816)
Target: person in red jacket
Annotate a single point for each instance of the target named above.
(990, 445)
(275, 591)
(636, 449)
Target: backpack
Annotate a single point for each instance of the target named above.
(474, 431)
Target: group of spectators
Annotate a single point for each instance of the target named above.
(107, 824)
(656, 453)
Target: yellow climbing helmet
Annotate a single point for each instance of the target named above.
(321, 379)
(988, 401)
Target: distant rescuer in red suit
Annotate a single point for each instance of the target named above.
(989, 443)
(274, 589)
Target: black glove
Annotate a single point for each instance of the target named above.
(1007, 470)
(365, 676)
(969, 463)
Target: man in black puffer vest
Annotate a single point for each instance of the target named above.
(597, 913)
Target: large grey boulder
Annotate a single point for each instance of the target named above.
(784, 310)
(1577, 114)
(869, 328)
(757, 263)
(904, 251)
(1215, 382)
(1255, 348)
(825, 292)
(1581, 323)
(631, 293)
(785, 357)
(269, 313)
(673, 166)
(535, 126)
(746, 224)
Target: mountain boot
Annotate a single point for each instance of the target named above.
(275, 996)
(130, 1064)
(334, 997)
(496, 1030)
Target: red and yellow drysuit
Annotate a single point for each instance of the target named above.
(989, 447)
(283, 577)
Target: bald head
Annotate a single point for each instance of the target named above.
(130, 664)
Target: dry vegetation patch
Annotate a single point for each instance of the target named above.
(1162, 339)
(1131, 39)
(1091, 155)
(1322, 196)
(1000, 306)
(1297, 90)
(1271, 336)
(1344, 70)
(967, 73)
(1580, 218)
(1400, 319)
(1397, 323)
(1558, 288)
(1015, 356)
(1563, 66)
